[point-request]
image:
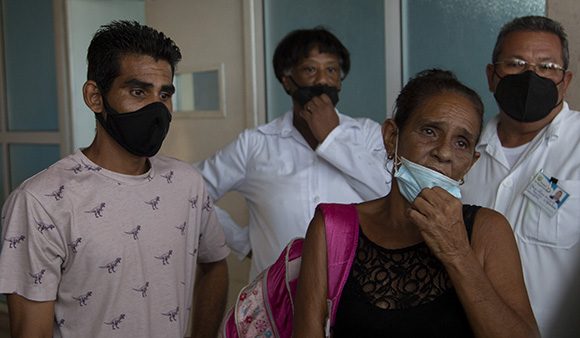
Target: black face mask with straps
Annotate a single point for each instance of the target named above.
(526, 97)
(140, 132)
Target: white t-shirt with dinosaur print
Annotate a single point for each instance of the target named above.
(117, 253)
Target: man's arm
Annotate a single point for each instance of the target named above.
(30, 319)
(223, 172)
(210, 301)
(359, 153)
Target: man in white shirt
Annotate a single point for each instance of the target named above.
(312, 154)
(529, 151)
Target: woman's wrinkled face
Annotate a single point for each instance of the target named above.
(440, 134)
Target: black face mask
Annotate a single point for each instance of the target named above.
(526, 97)
(140, 132)
(306, 93)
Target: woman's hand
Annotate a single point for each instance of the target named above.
(439, 217)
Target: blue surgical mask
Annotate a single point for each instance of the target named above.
(412, 178)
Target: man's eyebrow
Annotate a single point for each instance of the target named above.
(137, 83)
(168, 88)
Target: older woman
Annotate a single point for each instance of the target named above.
(425, 265)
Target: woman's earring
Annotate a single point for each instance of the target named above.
(461, 181)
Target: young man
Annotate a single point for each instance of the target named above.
(312, 154)
(529, 151)
(110, 237)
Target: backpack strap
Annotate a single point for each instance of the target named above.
(342, 230)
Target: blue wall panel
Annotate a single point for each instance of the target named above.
(458, 35)
(361, 28)
(30, 65)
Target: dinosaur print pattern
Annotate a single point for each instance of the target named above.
(207, 206)
(193, 202)
(165, 257)
(13, 241)
(143, 289)
(116, 321)
(82, 299)
(182, 228)
(154, 203)
(41, 226)
(38, 276)
(134, 232)
(57, 194)
(111, 266)
(75, 244)
(172, 314)
(91, 167)
(76, 169)
(168, 176)
(97, 211)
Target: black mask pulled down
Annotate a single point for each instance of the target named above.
(306, 93)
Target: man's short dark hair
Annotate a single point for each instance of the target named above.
(297, 45)
(533, 24)
(120, 38)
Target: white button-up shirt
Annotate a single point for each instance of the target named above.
(548, 246)
(282, 180)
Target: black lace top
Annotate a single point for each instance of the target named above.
(400, 293)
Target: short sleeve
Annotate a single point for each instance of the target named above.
(212, 241)
(32, 252)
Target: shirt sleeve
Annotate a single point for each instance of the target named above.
(212, 241)
(224, 172)
(357, 150)
(33, 251)
(237, 237)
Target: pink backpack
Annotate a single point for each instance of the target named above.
(265, 307)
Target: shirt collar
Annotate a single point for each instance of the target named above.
(552, 130)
